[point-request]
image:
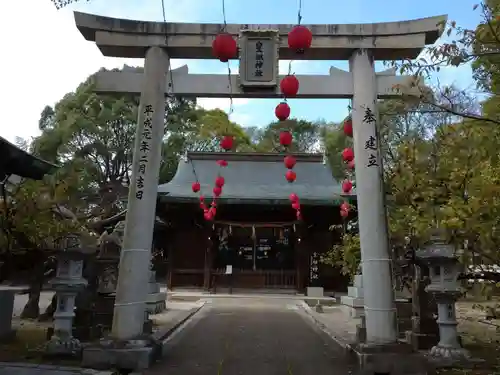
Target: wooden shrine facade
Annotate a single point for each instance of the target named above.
(255, 241)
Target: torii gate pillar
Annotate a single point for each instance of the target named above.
(131, 291)
(380, 313)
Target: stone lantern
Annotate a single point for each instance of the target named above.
(444, 269)
(67, 284)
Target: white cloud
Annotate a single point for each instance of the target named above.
(222, 103)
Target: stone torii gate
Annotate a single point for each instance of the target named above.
(361, 44)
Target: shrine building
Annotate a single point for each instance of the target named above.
(255, 240)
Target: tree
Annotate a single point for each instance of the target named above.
(437, 172)
(91, 135)
(202, 133)
(306, 135)
(480, 47)
(36, 220)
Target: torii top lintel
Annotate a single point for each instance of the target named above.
(388, 40)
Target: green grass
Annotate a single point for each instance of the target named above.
(27, 347)
(483, 342)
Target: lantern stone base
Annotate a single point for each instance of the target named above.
(128, 355)
(156, 302)
(64, 347)
(421, 341)
(397, 358)
(315, 291)
(454, 354)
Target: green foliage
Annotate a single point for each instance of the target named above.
(346, 255)
(479, 46)
(437, 172)
(35, 216)
(91, 137)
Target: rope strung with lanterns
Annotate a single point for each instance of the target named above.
(224, 48)
(348, 159)
(209, 212)
(299, 40)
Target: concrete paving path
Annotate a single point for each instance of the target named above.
(251, 336)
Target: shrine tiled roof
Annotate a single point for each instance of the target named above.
(254, 178)
(15, 161)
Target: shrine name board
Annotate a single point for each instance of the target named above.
(259, 58)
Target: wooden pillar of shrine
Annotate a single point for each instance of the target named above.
(170, 265)
(207, 268)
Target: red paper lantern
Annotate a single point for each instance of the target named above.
(351, 164)
(348, 154)
(208, 216)
(222, 163)
(296, 205)
(294, 198)
(290, 176)
(226, 143)
(346, 186)
(217, 190)
(196, 187)
(212, 211)
(290, 161)
(285, 138)
(282, 111)
(219, 181)
(224, 47)
(213, 204)
(345, 206)
(289, 86)
(202, 206)
(202, 198)
(348, 127)
(344, 213)
(299, 38)
(298, 215)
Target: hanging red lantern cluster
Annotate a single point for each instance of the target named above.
(294, 199)
(224, 47)
(299, 39)
(226, 144)
(344, 209)
(289, 86)
(348, 159)
(347, 155)
(289, 160)
(348, 130)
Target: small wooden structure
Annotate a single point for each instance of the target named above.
(255, 241)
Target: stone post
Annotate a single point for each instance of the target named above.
(353, 303)
(378, 294)
(67, 284)
(133, 276)
(156, 298)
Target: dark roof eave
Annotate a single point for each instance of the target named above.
(16, 161)
(257, 201)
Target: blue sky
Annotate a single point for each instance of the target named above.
(58, 58)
